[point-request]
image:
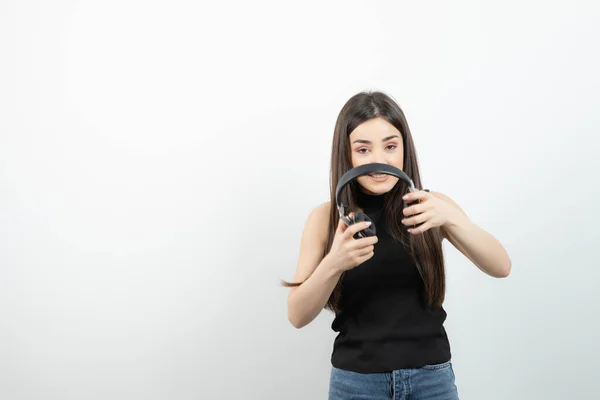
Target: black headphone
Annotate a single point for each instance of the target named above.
(354, 173)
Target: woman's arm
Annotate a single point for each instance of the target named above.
(479, 246)
(305, 302)
(431, 209)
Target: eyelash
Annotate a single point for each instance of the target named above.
(364, 148)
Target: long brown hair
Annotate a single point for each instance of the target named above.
(426, 247)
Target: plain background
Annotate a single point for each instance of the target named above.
(158, 161)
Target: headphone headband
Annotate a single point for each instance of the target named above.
(366, 169)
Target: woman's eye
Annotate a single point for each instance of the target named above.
(363, 150)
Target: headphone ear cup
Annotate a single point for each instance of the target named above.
(360, 217)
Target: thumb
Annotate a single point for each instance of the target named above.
(342, 225)
(341, 228)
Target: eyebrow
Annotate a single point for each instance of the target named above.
(385, 139)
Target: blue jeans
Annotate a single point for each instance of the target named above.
(431, 382)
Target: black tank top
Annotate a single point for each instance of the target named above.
(383, 324)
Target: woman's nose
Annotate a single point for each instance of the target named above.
(379, 157)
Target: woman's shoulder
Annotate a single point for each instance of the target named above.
(317, 221)
(322, 209)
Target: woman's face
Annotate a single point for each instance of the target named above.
(376, 141)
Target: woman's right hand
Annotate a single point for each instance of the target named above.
(347, 252)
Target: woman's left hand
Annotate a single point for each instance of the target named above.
(428, 210)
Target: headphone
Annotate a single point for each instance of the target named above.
(366, 169)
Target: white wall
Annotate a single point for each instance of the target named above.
(158, 160)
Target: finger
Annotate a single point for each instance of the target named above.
(414, 209)
(363, 253)
(419, 195)
(364, 258)
(417, 219)
(420, 229)
(366, 241)
(365, 250)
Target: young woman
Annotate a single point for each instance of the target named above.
(386, 290)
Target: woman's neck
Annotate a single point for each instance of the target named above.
(368, 200)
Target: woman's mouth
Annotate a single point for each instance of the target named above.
(379, 177)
